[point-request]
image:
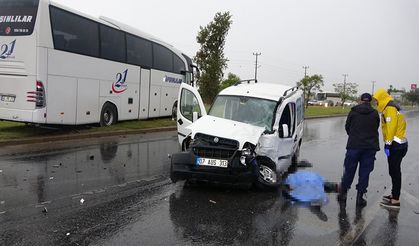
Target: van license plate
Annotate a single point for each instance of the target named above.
(211, 162)
(8, 98)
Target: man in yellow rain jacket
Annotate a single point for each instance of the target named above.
(393, 126)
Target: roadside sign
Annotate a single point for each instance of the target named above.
(413, 87)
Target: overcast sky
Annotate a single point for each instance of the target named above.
(370, 40)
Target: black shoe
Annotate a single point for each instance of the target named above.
(342, 196)
(360, 201)
(387, 198)
(390, 204)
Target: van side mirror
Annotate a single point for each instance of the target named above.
(283, 132)
(195, 116)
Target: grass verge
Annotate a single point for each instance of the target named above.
(315, 111)
(14, 130)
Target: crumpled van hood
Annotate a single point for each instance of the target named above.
(224, 128)
(383, 98)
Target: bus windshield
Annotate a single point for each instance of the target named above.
(254, 111)
(17, 18)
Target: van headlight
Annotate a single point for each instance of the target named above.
(243, 160)
(246, 152)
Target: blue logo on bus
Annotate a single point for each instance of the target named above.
(120, 85)
(6, 50)
(168, 79)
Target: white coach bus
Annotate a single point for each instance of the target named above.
(59, 66)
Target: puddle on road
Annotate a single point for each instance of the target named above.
(33, 180)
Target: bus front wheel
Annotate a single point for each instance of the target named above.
(108, 115)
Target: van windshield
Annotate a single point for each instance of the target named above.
(17, 17)
(254, 111)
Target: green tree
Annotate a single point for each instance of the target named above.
(231, 80)
(210, 58)
(412, 96)
(346, 91)
(310, 84)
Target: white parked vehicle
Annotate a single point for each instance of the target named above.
(252, 134)
(60, 66)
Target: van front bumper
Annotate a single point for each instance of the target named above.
(183, 167)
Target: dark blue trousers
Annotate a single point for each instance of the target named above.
(365, 158)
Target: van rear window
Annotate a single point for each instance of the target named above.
(17, 17)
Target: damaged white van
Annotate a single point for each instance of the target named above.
(251, 134)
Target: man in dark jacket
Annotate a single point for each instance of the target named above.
(362, 128)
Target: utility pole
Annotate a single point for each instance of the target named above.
(373, 87)
(344, 89)
(305, 70)
(256, 65)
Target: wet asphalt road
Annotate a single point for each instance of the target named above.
(116, 191)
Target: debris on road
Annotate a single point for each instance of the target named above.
(81, 201)
(45, 210)
(304, 163)
(1, 171)
(68, 234)
(213, 202)
(92, 157)
(51, 178)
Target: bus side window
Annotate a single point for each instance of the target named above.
(178, 65)
(139, 51)
(65, 25)
(162, 58)
(112, 44)
(60, 41)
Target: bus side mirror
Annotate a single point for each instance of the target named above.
(196, 73)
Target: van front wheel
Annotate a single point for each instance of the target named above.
(267, 176)
(108, 115)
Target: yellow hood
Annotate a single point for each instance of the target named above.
(383, 98)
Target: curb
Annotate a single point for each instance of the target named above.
(325, 116)
(119, 133)
(83, 136)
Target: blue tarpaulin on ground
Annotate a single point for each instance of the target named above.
(307, 187)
